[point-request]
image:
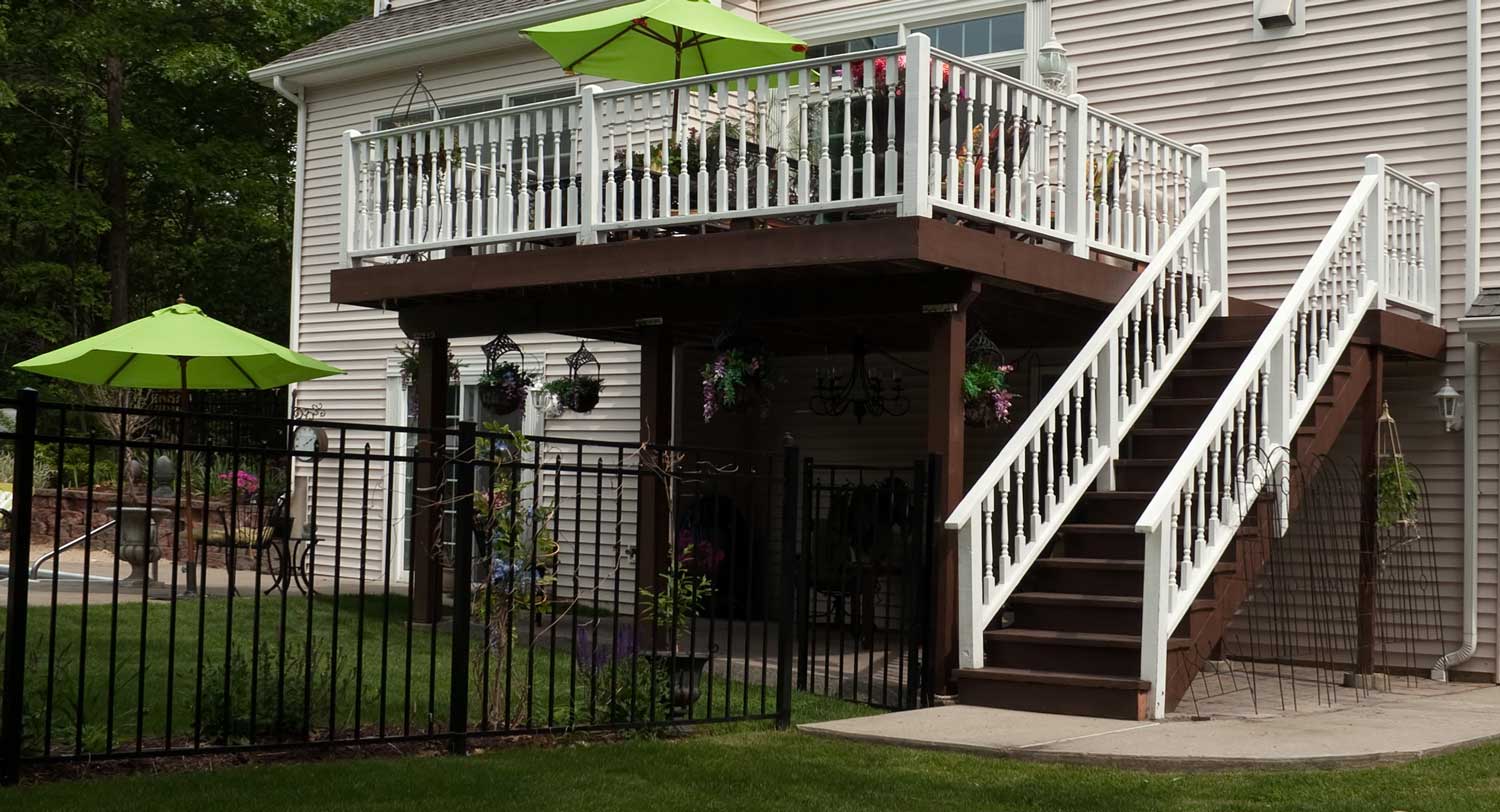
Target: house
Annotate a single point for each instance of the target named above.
(1132, 243)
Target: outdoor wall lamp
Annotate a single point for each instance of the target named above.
(1052, 66)
(1452, 405)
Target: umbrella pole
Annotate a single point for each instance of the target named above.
(187, 423)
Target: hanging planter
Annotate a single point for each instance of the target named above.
(986, 393)
(1398, 497)
(738, 377)
(579, 391)
(505, 384)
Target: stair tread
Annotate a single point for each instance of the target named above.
(1223, 343)
(1099, 527)
(1001, 674)
(1057, 638)
(1120, 495)
(1163, 431)
(1206, 372)
(1072, 562)
(1147, 461)
(1082, 599)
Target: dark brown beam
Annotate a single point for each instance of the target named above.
(653, 519)
(945, 438)
(1366, 609)
(898, 244)
(427, 520)
(1403, 334)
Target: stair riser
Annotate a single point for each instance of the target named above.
(1233, 329)
(1076, 700)
(1141, 478)
(1097, 619)
(1217, 357)
(1156, 447)
(1177, 416)
(1075, 581)
(1109, 511)
(1120, 546)
(1197, 386)
(1113, 662)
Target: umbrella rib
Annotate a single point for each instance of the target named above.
(601, 46)
(237, 366)
(111, 379)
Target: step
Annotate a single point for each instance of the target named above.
(1100, 576)
(1046, 691)
(1082, 540)
(1117, 655)
(1118, 507)
(1228, 353)
(1177, 412)
(1158, 442)
(1231, 328)
(1142, 474)
(1074, 612)
(1199, 383)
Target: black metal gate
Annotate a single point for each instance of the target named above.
(864, 619)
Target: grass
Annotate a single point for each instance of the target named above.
(762, 769)
(314, 681)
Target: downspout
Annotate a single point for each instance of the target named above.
(295, 97)
(1440, 669)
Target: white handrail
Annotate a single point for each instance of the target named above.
(1073, 433)
(1243, 444)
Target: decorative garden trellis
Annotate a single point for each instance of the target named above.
(505, 383)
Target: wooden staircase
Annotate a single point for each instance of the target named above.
(1073, 641)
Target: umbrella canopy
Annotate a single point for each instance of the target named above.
(658, 40)
(178, 347)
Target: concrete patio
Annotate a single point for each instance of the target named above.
(1387, 728)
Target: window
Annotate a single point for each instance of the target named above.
(852, 45)
(988, 35)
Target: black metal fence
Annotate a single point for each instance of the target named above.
(173, 591)
(865, 624)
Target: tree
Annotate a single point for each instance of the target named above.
(137, 162)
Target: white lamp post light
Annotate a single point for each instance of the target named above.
(1451, 403)
(1052, 66)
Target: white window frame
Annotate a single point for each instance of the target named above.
(907, 15)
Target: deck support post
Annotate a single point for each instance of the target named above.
(1369, 535)
(427, 520)
(652, 514)
(947, 336)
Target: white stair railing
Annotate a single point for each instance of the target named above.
(1072, 435)
(1383, 246)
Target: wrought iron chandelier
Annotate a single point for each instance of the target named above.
(861, 391)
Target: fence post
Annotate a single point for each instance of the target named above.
(1076, 178)
(463, 569)
(804, 607)
(1218, 240)
(791, 564)
(915, 201)
(15, 618)
(1375, 229)
(932, 519)
(1156, 604)
(351, 200)
(1432, 251)
(588, 196)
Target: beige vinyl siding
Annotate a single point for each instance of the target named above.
(362, 341)
(1290, 121)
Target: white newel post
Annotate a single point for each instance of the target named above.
(1375, 228)
(1218, 236)
(589, 178)
(1107, 404)
(1075, 177)
(1155, 609)
(970, 596)
(1432, 251)
(1276, 396)
(918, 94)
(351, 199)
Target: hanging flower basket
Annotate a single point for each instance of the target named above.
(733, 380)
(987, 397)
(503, 389)
(578, 394)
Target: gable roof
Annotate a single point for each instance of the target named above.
(430, 18)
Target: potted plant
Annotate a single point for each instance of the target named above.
(732, 379)
(576, 393)
(987, 395)
(1397, 494)
(685, 589)
(503, 388)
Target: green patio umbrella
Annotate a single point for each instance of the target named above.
(178, 347)
(657, 40)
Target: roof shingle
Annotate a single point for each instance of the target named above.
(410, 20)
(1486, 305)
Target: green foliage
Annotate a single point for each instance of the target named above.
(1397, 494)
(283, 707)
(578, 394)
(983, 376)
(684, 591)
(74, 467)
(208, 158)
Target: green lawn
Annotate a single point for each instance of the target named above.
(312, 681)
(761, 769)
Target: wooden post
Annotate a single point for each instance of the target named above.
(1369, 535)
(427, 519)
(652, 520)
(948, 334)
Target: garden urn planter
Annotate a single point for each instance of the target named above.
(138, 541)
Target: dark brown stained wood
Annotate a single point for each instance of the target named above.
(893, 246)
(427, 520)
(652, 518)
(1370, 406)
(1402, 334)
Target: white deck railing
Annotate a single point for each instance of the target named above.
(1073, 434)
(908, 129)
(1383, 246)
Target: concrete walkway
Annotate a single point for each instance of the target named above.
(1397, 730)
